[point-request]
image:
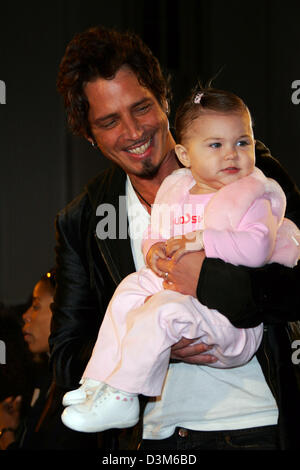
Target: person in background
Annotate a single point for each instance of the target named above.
(17, 371)
(39, 427)
(36, 329)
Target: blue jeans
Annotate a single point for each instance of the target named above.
(260, 438)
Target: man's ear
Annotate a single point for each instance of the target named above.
(91, 140)
(182, 155)
(165, 106)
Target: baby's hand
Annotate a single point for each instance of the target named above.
(157, 251)
(177, 246)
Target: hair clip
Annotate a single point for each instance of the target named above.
(198, 97)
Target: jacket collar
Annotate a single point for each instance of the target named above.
(116, 252)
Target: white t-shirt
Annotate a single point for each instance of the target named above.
(198, 397)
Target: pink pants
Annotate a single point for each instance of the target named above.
(132, 351)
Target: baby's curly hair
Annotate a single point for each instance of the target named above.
(203, 99)
(100, 52)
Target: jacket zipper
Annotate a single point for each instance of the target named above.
(269, 367)
(111, 267)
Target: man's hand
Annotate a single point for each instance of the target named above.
(9, 418)
(198, 353)
(10, 412)
(183, 275)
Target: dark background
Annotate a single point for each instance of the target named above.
(43, 167)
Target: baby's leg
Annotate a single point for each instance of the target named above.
(144, 353)
(131, 294)
(161, 322)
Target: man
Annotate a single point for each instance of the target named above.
(116, 97)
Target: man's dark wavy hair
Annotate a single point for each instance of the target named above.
(101, 52)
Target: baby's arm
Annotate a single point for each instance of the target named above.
(157, 251)
(177, 246)
(251, 244)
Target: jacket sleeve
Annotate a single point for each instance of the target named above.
(249, 296)
(75, 319)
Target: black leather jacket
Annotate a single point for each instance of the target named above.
(89, 269)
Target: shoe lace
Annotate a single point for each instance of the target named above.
(95, 392)
(103, 394)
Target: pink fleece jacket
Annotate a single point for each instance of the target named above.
(243, 222)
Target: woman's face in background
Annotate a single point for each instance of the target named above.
(37, 319)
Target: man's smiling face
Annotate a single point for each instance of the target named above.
(128, 124)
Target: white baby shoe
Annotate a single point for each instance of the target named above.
(75, 397)
(107, 409)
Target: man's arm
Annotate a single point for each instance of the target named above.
(273, 169)
(248, 296)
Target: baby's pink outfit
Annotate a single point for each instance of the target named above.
(243, 224)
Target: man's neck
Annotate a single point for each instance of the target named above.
(148, 187)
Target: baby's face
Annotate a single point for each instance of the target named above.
(220, 149)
